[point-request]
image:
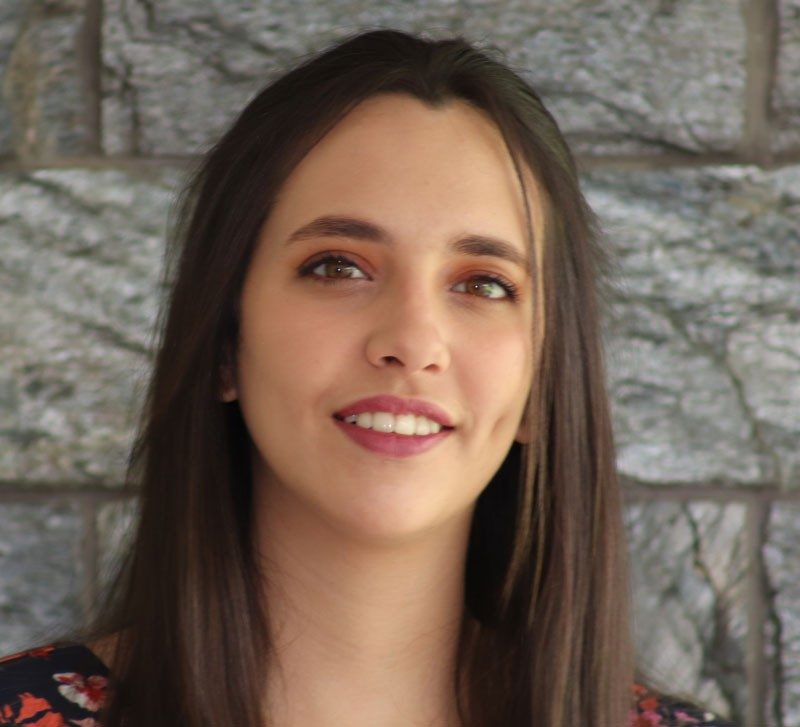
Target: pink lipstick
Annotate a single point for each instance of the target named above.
(397, 405)
(391, 444)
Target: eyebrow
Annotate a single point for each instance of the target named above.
(351, 227)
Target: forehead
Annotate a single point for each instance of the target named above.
(413, 168)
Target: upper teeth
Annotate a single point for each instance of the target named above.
(408, 424)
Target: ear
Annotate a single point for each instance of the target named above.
(227, 392)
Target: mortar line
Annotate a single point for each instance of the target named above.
(30, 492)
(756, 601)
(586, 162)
(90, 71)
(761, 37)
(646, 162)
(33, 492)
(722, 493)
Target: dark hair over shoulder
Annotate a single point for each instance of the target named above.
(545, 637)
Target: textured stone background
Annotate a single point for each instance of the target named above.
(686, 118)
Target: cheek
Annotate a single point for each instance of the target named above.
(497, 373)
(311, 340)
(289, 349)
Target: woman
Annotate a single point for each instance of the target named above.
(376, 465)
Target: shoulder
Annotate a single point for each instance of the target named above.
(52, 684)
(658, 710)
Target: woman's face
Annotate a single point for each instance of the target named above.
(386, 268)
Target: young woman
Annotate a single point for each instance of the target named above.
(376, 466)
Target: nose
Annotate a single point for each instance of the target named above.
(406, 332)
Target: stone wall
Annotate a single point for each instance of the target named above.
(685, 115)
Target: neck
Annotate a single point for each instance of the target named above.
(363, 633)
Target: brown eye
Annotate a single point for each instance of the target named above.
(333, 267)
(488, 286)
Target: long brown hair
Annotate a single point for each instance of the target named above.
(545, 637)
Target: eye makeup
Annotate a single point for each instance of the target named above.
(342, 262)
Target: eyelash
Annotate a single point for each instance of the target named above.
(511, 290)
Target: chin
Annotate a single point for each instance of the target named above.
(397, 523)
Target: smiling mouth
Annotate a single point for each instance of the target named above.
(384, 438)
(404, 425)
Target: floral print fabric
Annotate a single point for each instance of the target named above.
(652, 710)
(53, 686)
(65, 686)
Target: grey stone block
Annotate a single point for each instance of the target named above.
(688, 563)
(81, 255)
(177, 73)
(786, 94)
(627, 75)
(620, 76)
(765, 358)
(702, 343)
(43, 112)
(40, 573)
(782, 557)
(702, 337)
(11, 13)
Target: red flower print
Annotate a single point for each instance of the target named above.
(87, 693)
(648, 704)
(646, 719)
(31, 706)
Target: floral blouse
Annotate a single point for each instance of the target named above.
(53, 686)
(65, 685)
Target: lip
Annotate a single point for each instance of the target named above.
(391, 445)
(397, 405)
